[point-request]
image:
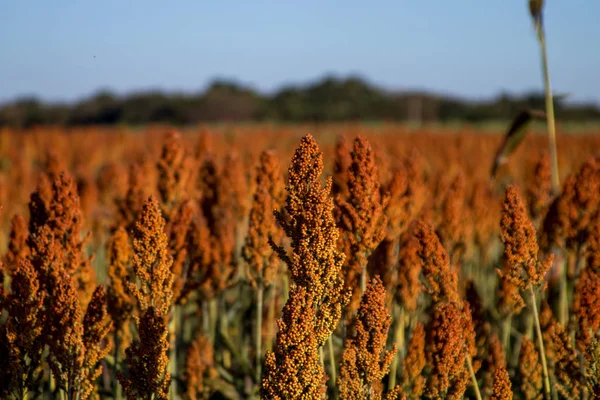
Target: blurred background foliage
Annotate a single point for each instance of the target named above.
(330, 99)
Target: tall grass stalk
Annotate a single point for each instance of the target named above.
(550, 122)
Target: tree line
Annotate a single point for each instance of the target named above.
(329, 99)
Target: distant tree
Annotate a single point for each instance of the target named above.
(329, 99)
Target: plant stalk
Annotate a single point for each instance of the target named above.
(363, 280)
(538, 328)
(563, 311)
(117, 389)
(321, 356)
(51, 385)
(212, 320)
(332, 365)
(286, 288)
(550, 121)
(507, 326)
(259, 309)
(272, 323)
(399, 339)
(173, 351)
(223, 326)
(473, 378)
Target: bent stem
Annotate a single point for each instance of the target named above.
(540, 343)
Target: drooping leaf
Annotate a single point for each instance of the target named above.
(514, 137)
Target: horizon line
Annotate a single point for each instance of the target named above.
(386, 89)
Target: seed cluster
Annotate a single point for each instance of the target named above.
(163, 265)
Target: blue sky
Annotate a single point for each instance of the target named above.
(65, 49)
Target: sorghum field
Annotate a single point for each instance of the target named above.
(264, 261)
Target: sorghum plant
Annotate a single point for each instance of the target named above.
(293, 369)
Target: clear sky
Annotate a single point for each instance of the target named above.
(68, 49)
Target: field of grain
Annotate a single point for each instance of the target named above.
(339, 261)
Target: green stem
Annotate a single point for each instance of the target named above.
(401, 334)
(205, 319)
(473, 378)
(258, 338)
(117, 388)
(516, 349)
(286, 288)
(223, 327)
(321, 356)
(563, 310)
(51, 384)
(399, 339)
(173, 351)
(186, 328)
(582, 368)
(363, 280)
(506, 332)
(540, 343)
(549, 110)
(271, 322)
(70, 392)
(332, 365)
(212, 320)
(529, 323)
